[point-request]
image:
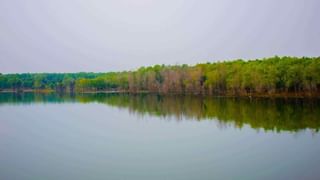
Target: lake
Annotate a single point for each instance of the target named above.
(122, 136)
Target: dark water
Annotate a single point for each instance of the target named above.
(109, 136)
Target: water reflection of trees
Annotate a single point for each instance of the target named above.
(268, 114)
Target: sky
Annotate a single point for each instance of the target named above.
(117, 35)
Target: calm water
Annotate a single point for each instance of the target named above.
(101, 136)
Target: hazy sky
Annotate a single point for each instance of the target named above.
(112, 35)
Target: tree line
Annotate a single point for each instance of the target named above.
(268, 76)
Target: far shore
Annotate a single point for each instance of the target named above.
(251, 95)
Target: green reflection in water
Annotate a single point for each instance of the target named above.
(268, 114)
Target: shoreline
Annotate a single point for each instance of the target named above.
(306, 95)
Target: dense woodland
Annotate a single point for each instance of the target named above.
(269, 76)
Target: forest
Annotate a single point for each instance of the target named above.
(274, 76)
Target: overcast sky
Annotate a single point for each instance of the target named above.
(112, 35)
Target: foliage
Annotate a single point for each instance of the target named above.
(267, 76)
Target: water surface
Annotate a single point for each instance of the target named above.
(110, 136)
